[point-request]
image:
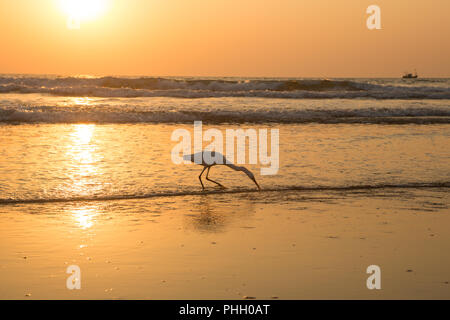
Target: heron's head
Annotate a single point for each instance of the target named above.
(251, 176)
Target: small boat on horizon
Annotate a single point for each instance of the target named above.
(408, 75)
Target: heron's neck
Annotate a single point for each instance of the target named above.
(234, 167)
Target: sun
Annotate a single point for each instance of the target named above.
(81, 10)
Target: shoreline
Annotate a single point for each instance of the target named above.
(418, 185)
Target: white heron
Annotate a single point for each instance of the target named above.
(219, 159)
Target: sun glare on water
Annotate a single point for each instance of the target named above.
(82, 10)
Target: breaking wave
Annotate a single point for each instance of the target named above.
(206, 88)
(109, 114)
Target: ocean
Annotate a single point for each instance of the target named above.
(50, 99)
(364, 171)
(66, 137)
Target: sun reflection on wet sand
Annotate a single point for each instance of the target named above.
(84, 216)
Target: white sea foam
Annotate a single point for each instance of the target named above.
(45, 99)
(102, 114)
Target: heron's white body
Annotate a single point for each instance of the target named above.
(212, 158)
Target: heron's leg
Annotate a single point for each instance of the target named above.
(200, 178)
(207, 173)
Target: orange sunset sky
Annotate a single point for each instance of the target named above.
(280, 38)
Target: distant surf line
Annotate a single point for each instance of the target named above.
(227, 191)
(225, 87)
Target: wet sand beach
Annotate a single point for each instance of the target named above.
(295, 245)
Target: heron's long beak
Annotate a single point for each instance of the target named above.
(254, 180)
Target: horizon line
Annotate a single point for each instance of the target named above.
(80, 75)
